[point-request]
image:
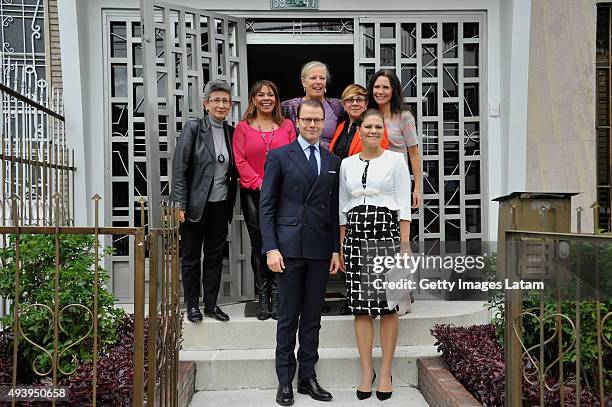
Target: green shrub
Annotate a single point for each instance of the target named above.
(588, 320)
(36, 299)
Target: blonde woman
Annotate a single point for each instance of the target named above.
(315, 76)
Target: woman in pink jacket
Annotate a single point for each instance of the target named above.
(262, 129)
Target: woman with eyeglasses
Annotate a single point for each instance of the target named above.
(385, 94)
(315, 76)
(204, 188)
(374, 221)
(261, 130)
(346, 141)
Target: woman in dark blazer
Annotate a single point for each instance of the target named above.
(204, 188)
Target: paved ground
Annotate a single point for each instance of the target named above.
(402, 396)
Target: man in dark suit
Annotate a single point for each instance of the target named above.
(299, 227)
(204, 186)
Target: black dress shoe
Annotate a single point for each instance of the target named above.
(384, 395)
(216, 313)
(194, 314)
(311, 387)
(362, 395)
(284, 394)
(263, 306)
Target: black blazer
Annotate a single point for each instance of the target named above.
(298, 218)
(193, 169)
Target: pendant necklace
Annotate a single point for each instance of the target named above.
(220, 156)
(267, 143)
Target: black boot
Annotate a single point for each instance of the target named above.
(274, 299)
(263, 308)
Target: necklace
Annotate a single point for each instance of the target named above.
(220, 156)
(364, 158)
(267, 142)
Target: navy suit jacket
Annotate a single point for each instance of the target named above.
(298, 218)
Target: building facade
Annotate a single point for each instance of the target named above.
(503, 95)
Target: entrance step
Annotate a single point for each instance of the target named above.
(337, 367)
(336, 331)
(343, 397)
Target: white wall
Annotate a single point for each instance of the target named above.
(506, 57)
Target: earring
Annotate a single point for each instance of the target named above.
(304, 89)
(324, 90)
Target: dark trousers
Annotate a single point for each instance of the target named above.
(249, 202)
(301, 290)
(210, 232)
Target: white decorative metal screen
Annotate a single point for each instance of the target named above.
(22, 39)
(191, 48)
(439, 61)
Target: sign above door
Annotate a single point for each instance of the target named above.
(294, 4)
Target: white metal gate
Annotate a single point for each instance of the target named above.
(190, 47)
(440, 63)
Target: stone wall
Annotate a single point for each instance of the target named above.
(561, 105)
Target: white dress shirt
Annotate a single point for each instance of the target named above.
(306, 149)
(387, 184)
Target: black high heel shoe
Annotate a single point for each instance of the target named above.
(362, 395)
(384, 395)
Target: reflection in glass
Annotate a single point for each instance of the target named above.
(471, 139)
(429, 30)
(408, 40)
(387, 30)
(368, 40)
(470, 94)
(430, 61)
(387, 55)
(450, 39)
(472, 177)
(221, 57)
(430, 138)
(118, 40)
(450, 80)
(470, 30)
(470, 55)
(119, 81)
(409, 80)
(451, 158)
(430, 99)
(430, 183)
(431, 212)
(451, 120)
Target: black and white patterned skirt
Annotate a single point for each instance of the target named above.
(371, 231)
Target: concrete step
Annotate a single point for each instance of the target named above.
(336, 331)
(343, 397)
(254, 368)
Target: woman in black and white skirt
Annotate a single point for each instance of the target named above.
(374, 221)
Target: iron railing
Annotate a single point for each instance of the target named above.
(37, 198)
(548, 352)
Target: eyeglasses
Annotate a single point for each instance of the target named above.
(220, 101)
(309, 120)
(357, 100)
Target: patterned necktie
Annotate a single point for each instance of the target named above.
(312, 163)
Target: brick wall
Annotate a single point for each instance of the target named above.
(54, 63)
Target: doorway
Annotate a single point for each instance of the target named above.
(281, 64)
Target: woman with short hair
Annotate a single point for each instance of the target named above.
(346, 140)
(315, 76)
(204, 189)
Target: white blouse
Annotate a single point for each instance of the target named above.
(387, 184)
